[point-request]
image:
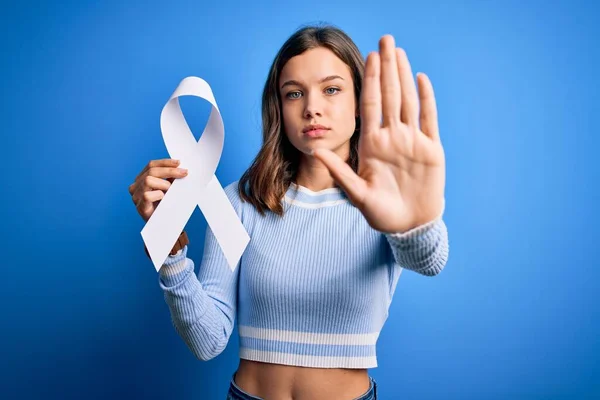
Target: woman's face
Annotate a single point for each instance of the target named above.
(316, 88)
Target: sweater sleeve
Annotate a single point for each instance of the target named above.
(203, 306)
(424, 249)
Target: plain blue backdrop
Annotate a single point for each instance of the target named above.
(515, 314)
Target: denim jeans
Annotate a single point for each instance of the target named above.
(235, 393)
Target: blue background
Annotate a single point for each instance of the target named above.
(515, 313)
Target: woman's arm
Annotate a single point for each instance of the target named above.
(424, 249)
(202, 307)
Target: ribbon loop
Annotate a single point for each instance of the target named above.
(200, 187)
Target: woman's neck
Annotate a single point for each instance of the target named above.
(313, 175)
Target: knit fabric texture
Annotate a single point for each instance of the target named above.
(312, 288)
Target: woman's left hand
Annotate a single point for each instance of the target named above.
(401, 173)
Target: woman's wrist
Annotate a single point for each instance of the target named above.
(182, 240)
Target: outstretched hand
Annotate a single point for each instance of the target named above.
(401, 172)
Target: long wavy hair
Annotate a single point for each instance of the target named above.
(275, 167)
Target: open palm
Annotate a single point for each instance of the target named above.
(401, 173)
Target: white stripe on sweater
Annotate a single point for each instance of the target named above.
(355, 339)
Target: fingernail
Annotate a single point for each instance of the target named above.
(183, 170)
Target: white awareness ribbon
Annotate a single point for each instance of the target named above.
(200, 186)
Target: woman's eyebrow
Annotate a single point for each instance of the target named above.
(327, 78)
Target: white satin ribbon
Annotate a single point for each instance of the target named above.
(200, 187)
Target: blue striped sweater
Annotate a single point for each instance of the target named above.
(313, 288)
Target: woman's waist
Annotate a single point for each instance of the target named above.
(269, 380)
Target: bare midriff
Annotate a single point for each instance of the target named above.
(286, 382)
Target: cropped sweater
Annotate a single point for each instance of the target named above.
(312, 288)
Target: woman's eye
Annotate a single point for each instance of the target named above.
(297, 94)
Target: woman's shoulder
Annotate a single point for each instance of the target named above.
(232, 191)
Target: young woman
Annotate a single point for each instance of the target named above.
(346, 192)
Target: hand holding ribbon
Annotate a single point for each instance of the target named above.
(200, 187)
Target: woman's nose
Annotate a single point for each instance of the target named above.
(312, 107)
(310, 113)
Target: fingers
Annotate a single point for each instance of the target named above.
(370, 99)
(153, 176)
(152, 183)
(153, 180)
(149, 182)
(165, 162)
(147, 199)
(149, 185)
(354, 186)
(167, 172)
(146, 208)
(389, 89)
(410, 102)
(428, 116)
(390, 83)
(153, 195)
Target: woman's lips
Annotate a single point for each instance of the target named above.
(313, 133)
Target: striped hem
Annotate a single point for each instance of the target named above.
(342, 339)
(302, 360)
(308, 349)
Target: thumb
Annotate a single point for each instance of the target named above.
(354, 186)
